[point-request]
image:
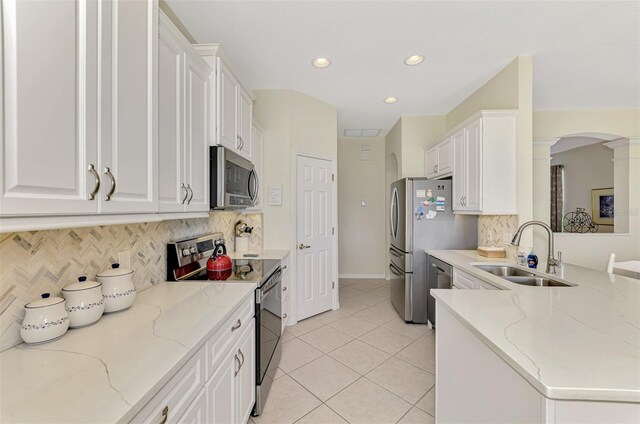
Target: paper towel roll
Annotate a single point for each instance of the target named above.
(242, 244)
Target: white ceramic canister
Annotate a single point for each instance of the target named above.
(117, 288)
(85, 303)
(45, 319)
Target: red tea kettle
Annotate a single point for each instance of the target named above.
(219, 265)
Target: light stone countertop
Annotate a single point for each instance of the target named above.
(572, 343)
(262, 254)
(108, 371)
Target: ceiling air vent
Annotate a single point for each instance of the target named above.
(362, 132)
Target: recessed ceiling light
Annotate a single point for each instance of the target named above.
(390, 100)
(415, 59)
(321, 62)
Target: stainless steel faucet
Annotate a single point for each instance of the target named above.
(552, 262)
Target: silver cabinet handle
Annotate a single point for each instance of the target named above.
(190, 190)
(284, 289)
(284, 267)
(165, 414)
(436, 169)
(92, 169)
(241, 354)
(302, 246)
(235, 373)
(394, 271)
(107, 171)
(285, 316)
(184, 199)
(236, 325)
(240, 142)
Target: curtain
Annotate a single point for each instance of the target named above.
(557, 197)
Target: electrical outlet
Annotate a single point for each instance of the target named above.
(506, 238)
(124, 259)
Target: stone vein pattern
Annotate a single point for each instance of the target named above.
(38, 262)
(572, 343)
(492, 227)
(108, 372)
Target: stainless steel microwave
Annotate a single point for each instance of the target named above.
(234, 183)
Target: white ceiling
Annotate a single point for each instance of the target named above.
(586, 54)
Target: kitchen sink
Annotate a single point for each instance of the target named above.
(504, 271)
(520, 276)
(536, 281)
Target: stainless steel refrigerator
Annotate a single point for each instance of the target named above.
(422, 218)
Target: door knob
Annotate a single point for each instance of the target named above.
(302, 246)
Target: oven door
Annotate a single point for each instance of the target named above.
(233, 180)
(269, 320)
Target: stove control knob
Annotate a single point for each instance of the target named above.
(193, 250)
(185, 251)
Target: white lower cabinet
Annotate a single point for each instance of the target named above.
(197, 411)
(218, 384)
(462, 280)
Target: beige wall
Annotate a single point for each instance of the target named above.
(292, 123)
(418, 132)
(585, 168)
(560, 123)
(511, 88)
(591, 250)
(362, 228)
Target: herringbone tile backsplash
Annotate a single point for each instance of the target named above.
(38, 262)
(492, 227)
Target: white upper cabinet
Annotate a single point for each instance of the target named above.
(171, 187)
(184, 79)
(197, 126)
(482, 156)
(231, 105)
(78, 139)
(128, 140)
(48, 109)
(437, 160)
(245, 127)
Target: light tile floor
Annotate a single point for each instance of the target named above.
(359, 364)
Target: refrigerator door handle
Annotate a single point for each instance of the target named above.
(394, 208)
(393, 252)
(395, 271)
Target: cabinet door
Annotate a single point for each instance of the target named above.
(246, 378)
(473, 161)
(444, 157)
(431, 162)
(48, 124)
(196, 122)
(459, 171)
(245, 117)
(197, 411)
(128, 141)
(227, 108)
(171, 182)
(462, 280)
(221, 391)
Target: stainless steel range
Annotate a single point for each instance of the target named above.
(187, 260)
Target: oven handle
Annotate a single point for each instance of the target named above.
(263, 294)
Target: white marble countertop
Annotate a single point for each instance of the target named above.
(262, 254)
(107, 372)
(575, 343)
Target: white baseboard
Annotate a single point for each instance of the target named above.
(362, 276)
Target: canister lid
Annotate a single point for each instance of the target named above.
(81, 284)
(45, 300)
(115, 271)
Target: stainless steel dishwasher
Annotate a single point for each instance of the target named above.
(440, 277)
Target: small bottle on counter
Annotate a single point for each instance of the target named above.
(532, 259)
(522, 258)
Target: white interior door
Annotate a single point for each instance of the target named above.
(314, 239)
